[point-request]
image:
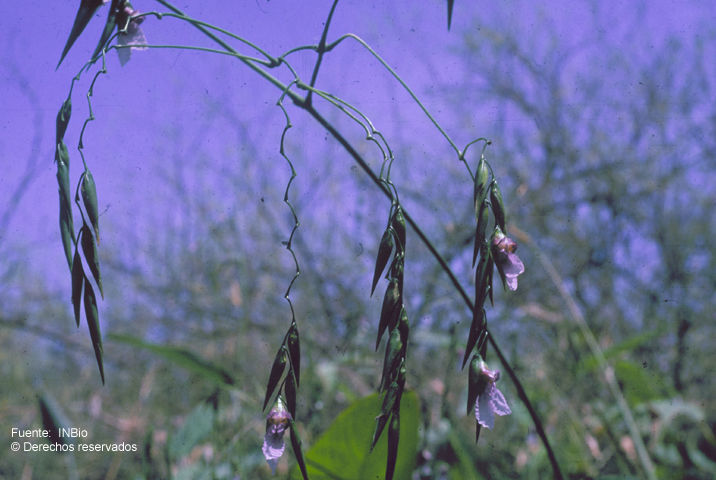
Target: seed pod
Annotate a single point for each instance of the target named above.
(384, 250)
(93, 324)
(482, 175)
(398, 224)
(89, 248)
(294, 351)
(63, 119)
(78, 279)
(279, 365)
(390, 311)
(89, 197)
(67, 233)
(393, 440)
(498, 206)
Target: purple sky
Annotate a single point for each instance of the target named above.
(163, 92)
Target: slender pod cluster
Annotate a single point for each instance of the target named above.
(286, 369)
(394, 321)
(497, 250)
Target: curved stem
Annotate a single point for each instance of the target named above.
(302, 103)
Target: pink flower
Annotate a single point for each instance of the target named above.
(132, 35)
(277, 422)
(508, 263)
(490, 400)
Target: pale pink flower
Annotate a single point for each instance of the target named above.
(277, 422)
(490, 401)
(133, 36)
(508, 263)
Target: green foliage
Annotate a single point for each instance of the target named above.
(343, 451)
(196, 428)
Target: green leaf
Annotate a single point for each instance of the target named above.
(53, 418)
(84, 14)
(197, 426)
(390, 312)
(343, 451)
(108, 27)
(67, 229)
(89, 248)
(279, 365)
(180, 357)
(93, 324)
(63, 119)
(384, 250)
(89, 198)
(78, 279)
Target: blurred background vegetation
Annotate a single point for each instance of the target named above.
(605, 151)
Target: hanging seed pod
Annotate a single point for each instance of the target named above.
(384, 250)
(498, 206)
(393, 353)
(398, 224)
(67, 233)
(393, 440)
(63, 119)
(89, 197)
(289, 388)
(294, 351)
(89, 248)
(482, 176)
(78, 279)
(279, 365)
(390, 311)
(93, 324)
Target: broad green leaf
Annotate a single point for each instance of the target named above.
(343, 451)
(197, 426)
(277, 369)
(93, 323)
(63, 119)
(628, 345)
(384, 250)
(638, 386)
(84, 14)
(89, 198)
(180, 357)
(108, 27)
(78, 279)
(53, 419)
(89, 249)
